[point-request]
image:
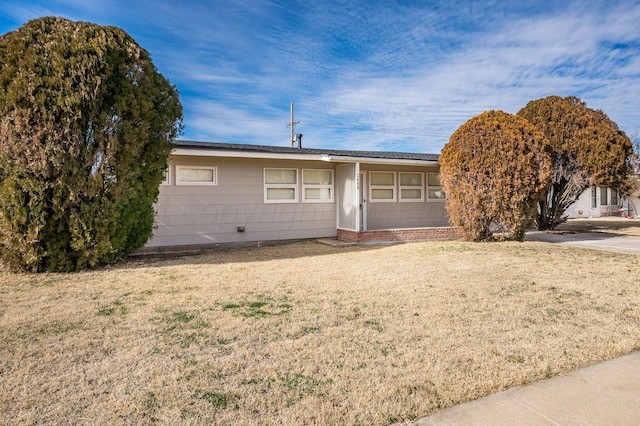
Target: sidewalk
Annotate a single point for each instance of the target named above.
(607, 393)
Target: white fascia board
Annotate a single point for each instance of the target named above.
(189, 152)
(369, 160)
(243, 154)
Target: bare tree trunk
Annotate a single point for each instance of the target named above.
(568, 184)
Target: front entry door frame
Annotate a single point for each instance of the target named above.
(362, 199)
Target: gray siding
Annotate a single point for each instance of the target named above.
(205, 214)
(199, 214)
(390, 215)
(406, 215)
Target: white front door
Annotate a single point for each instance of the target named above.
(362, 202)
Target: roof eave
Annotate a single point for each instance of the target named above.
(191, 152)
(374, 160)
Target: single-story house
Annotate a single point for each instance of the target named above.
(601, 201)
(218, 193)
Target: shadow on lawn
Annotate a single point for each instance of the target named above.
(608, 234)
(613, 225)
(563, 236)
(255, 253)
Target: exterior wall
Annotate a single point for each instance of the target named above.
(402, 214)
(583, 207)
(414, 234)
(406, 215)
(202, 214)
(631, 205)
(233, 211)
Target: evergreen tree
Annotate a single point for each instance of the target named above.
(494, 170)
(86, 125)
(588, 149)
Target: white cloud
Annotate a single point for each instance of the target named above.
(529, 59)
(21, 14)
(373, 75)
(210, 121)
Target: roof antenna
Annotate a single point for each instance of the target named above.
(296, 138)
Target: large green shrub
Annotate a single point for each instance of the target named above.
(86, 124)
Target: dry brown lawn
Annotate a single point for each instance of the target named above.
(306, 333)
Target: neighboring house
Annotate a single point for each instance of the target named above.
(631, 203)
(600, 201)
(217, 193)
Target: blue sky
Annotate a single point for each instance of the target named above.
(371, 74)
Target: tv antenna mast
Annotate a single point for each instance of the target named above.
(296, 138)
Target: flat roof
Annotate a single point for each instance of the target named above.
(184, 147)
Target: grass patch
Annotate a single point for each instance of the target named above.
(264, 307)
(306, 333)
(374, 325)
(180, 330)
(149, 404)
(181, 317)
(216, 399)
(298, 386)
(54, 328)
(184, 320)
(115, 307)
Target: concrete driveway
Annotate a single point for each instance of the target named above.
(591, 240)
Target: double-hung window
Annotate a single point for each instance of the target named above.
(196, 175)
(411, 186)
(382, 186)
(280, 185)
(317, 185)
(434, 188)
(603, 196)
(614, 196)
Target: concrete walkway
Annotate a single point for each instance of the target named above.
(607, 393)
(592, 240)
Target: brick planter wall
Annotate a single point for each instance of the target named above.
(405, 234)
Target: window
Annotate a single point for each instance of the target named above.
(594, 197)
(280, 185)
(317, 186)
(196, 175)
(603, 196)
(411, 186)
(434, 189)
(614, 197)
(166, 176)
(382, 186)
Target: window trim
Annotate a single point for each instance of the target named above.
(318, 186)
(420, 187)
(604, 196)
(614, 193)
(392, 187)
(431, 199)
(214, 169)
(267, 186)
(166, 176)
